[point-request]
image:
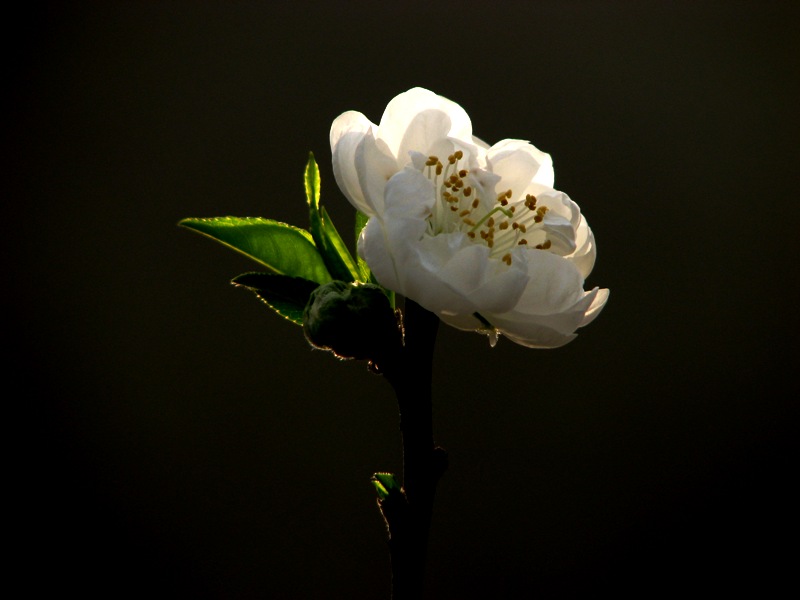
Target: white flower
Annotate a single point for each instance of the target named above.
(473, 233)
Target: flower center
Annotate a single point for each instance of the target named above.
(463, 205)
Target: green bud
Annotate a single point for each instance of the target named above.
(352, 320)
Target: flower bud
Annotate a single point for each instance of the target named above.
(351, 320)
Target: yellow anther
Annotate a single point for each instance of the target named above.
(522, 242)
(469, 222)
(507, 259)
(459, 155)
(432, 160)
(451, 159)
(490, 222)
(515, 225)
(538, 219)
(454, 208)
(464, 212)
(522, 228)
(544, 246)
(467, 191)
(475, 203)
(484, 235)
(439, 168)
(503, 225)
(471, 234)
(463, 173)
(490, 242)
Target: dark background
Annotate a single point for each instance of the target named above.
(178, 440)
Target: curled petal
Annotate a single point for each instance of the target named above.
(346, 134)
(374, 165)
(519, 163)
(585, 250)
(598, 302)
(409, 194)
(416, 119)
(487, 284)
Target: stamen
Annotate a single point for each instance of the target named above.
(543, 246)
(522, 242)
(491, 212)
(507, 259)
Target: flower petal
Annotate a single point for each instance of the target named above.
(488, 285)
(347, 132)
(374, 165)
(597, 305)
(416, 119)
(519, 163)
(534, 335)
(409, 194)
(585, 251)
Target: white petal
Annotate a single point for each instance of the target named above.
(597, 305)
(375, 166)
(585, 251)
(535, 335)
(539, 325)
(520, 163)
(409, 194)
(385, 261)
(488, 285)
(555, 285)
(416, 119)
(346, 134)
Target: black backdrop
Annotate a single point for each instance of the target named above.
(177, 440)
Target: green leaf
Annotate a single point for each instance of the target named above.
(334, 252)
(287, 296)
(283, 249)
(385, 484)
(334, 240)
